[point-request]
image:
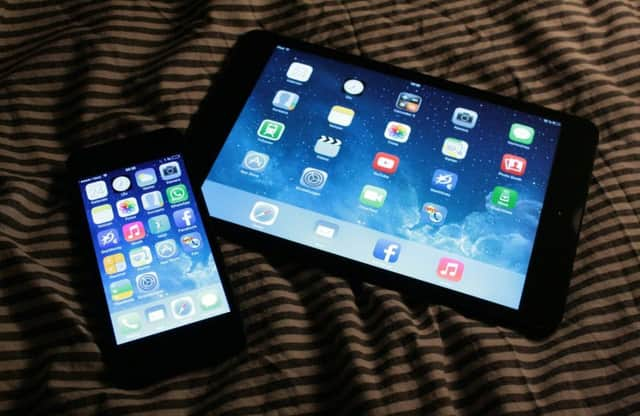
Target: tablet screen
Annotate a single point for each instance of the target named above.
(441, 187)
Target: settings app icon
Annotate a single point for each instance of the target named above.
(313, 178)
(147, 282)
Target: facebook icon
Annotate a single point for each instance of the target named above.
(184, 217)
(387, 251)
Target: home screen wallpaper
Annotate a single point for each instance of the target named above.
(435, 185)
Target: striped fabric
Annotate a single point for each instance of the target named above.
(79, 72)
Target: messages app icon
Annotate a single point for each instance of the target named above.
(521, 133)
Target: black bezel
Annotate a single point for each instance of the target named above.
(142, 360)
(544, 295)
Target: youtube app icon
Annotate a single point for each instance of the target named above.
(386, 163)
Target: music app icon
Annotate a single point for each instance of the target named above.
(133, 231)
(450, 269)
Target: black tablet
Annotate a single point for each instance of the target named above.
(416, 183)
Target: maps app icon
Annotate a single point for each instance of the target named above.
(255, 161)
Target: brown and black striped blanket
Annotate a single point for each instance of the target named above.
(79, 72)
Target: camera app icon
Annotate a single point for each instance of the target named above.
(170, 170)
(464, 117)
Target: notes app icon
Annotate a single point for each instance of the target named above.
(342, 116)
(450, 269)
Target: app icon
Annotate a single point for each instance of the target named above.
(397, 132)
(191, 242)
(327, 146)
(146, 177)
(521, 133)
(166, 248)
(184, 217)
(177, 193)
(299, 72)
(152, 200)
(386, 163)
(504, 197)
(464, 117)
(170, 170)
(450, 269)
(285, 100)
(147, 282)
(114, 263)
(342, 116)
(455, 148)
(255, 161)
(102, 214)
(108, 238)
(133, 231)
(387, 251)
(434, 214)
(353, 86)
(513, 164)
(140, 256)
(271, 130)
(443, 180)
(182, 307)
(208, 300)
(121, 290)
(372, 196)
(313, 178)
(121, 183)
(129, 323)
(158, 224)
(96, 190)
(156, 313)
(264, 213)
(408, 102)
(127, 207)
(326, 229)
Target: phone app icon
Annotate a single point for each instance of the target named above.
(108, 238)
(102, 214)
(209, 300)
(408, 102)
(129, 323)
(264, 213)
(96, 190)
(455, 148)
(326, 229)
(121, 290)
(271, 130)
(285, 100)
(147, 282)
(255, 161)
(386, 163)
(152, 200)
(504, 197)
(184, 218)
(341, 116)
(443, 180)
(146, 177)
(170, 170)
(313, 178)
(155, 313)
(521, 133)
(177, 193)
(166, 249)
(127, 207)
(514, 165)
(387, 250)
(133, 231)
(114, 263)
(433, 214)
(159, 224)
(191, 242)
(183, 307)
(327, 146)
(299, 72)
(463, 117)
(450, 269)
(121, 183)
(372, 196)
(353, 86)
(140, 256)
(397, 132)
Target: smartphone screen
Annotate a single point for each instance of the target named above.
(156, 264)
(442, 187)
